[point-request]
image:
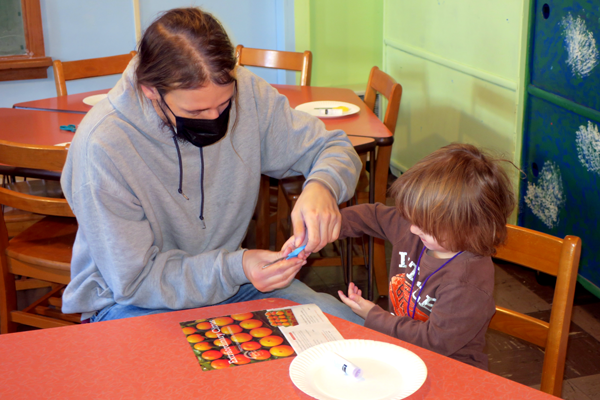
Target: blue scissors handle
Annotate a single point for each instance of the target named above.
(69, 127)
(289, 256)
(295, 252)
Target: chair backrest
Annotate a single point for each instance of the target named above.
(71, 70)
(37, 157)
(557, 257)
(287, 60)
(382, 83)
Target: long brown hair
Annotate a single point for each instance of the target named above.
(184, 48)
(460, 195)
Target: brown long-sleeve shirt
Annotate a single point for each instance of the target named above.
(456, 304)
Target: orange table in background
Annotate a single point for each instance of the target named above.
(36, 127)
(149, 358)
(364, 123)
(72, 103)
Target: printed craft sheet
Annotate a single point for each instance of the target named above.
(312, 327)
(246, 338)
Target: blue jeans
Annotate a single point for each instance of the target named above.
(297, 291)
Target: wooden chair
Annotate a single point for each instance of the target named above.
(386, 86)
(71, 70)
(557, 257)
(266, 207)
(287, 60)
(18, 220)
(42, 252)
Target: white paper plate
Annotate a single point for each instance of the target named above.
(315, 108)
(92, 100)
(389, 372)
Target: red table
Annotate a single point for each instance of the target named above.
(72, 103)
(364, 123)
(36, 127)
(149, 358)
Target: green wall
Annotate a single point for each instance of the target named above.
(461, 65)
(345, 37)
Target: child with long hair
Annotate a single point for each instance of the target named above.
(450, 215)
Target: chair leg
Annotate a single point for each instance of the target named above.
(369, 265)
(262, 219)
(283, 212)
(379, 266)
(8, 291)
(347, 260)
(8, 302)
(382, 166)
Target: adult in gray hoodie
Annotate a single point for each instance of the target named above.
(163, 177)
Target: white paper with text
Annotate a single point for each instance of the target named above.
(304, 326)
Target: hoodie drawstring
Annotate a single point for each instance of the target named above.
(180, 190)
(202, 189)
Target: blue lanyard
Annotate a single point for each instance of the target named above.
(424, 282)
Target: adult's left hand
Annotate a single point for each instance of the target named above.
(316, 217)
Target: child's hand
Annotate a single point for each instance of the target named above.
(355, 301)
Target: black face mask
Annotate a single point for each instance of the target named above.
(201, 132)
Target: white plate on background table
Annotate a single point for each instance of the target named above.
(317, 108)
(389, 372)
(93, 100)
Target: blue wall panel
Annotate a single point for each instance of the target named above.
(561, 195)
(561, 139)
(565, 50)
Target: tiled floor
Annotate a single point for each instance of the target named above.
(516, 288)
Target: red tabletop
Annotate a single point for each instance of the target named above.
(149, 358)
(36, 127)
(363, 123)
(71, 103)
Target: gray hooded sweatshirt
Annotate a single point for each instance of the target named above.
(140, 242)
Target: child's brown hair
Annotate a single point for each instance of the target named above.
(460, 195)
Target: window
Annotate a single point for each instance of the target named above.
(22, 54)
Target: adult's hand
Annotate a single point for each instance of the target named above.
(276, 276)
(290, 246)
(316, 217)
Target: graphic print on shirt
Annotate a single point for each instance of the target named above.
(400, 290)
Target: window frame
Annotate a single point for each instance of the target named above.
(34, 64)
